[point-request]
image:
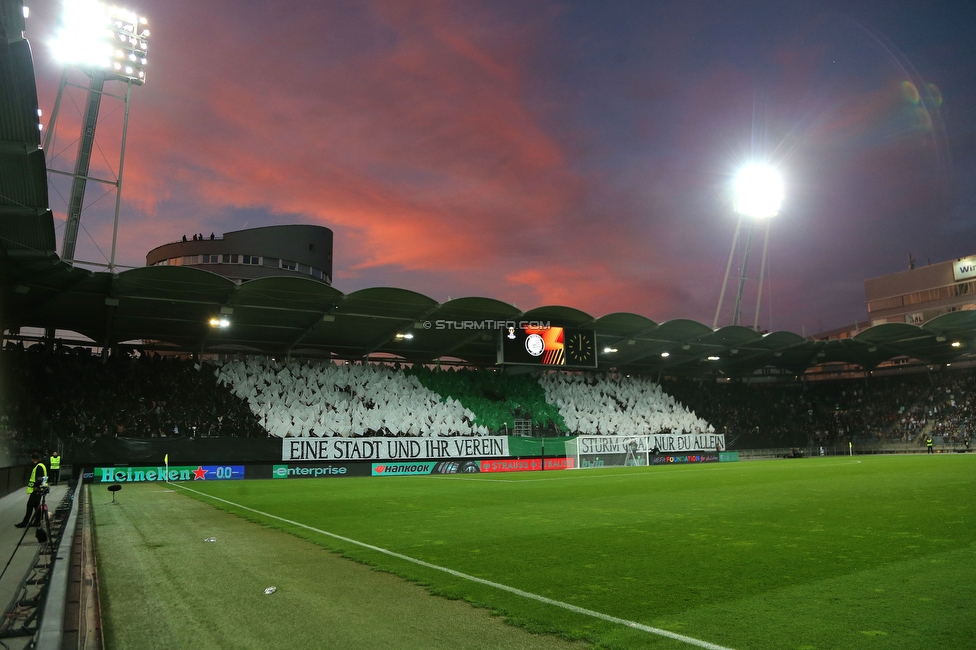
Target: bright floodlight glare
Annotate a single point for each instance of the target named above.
(758, 191)
(94, 36)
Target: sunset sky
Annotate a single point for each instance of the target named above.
(576, 153)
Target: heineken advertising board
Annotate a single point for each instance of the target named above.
(161, 473)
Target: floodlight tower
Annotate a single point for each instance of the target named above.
(106, 43)
(758, 197)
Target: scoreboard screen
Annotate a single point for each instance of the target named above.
(548, 346)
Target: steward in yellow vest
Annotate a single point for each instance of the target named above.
(55, 467)
(36, 488)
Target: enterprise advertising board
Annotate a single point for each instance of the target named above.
(320, 470)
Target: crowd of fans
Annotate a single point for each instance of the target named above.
(592, 404)
(293, 398)
(903, 408)
(67, 392)
(496, 398)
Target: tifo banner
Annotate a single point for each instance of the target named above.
(329, 470)
(664, 443)
(625, 451)
(185, 473)
(319, 449)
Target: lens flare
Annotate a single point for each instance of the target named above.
(758, 191)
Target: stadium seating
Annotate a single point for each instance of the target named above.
(593, 404)
(327, 399)
(66, 392)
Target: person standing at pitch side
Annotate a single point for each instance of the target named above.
(36, 487)
(55, 467)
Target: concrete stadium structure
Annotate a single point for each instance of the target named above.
(241, 255)
(918, 295)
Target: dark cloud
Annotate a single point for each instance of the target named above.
(558, 152)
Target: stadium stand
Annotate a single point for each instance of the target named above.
(67, 392)
(496, 398)
(327, 399)
(902, 408)
(618, 405)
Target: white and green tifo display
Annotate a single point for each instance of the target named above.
(623, 451)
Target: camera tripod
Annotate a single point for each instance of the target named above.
(40, 518)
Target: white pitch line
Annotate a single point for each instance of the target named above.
(497, 585)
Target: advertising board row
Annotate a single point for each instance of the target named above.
(338, 457)
(323, 470)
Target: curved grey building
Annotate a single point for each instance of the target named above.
(244, 255)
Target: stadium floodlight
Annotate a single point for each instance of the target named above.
(401, 336)
(219, 322)
(759, 194)
(665, 354)
(956, 344)
(94, 36)
(106, 43)
(758, 191)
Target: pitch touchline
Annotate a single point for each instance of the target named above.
(497, 585)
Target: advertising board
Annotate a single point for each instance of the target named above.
(320, 470)
(174, 473)
(526, 464)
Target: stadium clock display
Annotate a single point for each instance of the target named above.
(580, 348)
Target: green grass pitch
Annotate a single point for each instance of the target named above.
(864, 552)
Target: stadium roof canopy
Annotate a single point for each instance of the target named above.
(171, 306)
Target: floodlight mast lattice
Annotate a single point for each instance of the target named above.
(106, 43)
(758, 198)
